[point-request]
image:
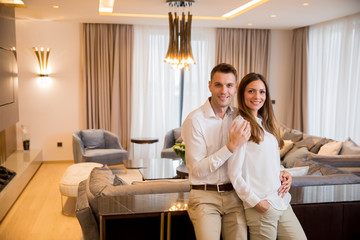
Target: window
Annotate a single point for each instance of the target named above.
(334, 79)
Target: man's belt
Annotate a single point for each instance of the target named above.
(210, 187)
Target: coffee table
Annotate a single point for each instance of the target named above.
(155, 168)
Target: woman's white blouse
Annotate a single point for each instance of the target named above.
(254, 171)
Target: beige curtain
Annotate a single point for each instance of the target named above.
(107, 78)
(246, 49)
(297, 115)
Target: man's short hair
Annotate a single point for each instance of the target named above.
(224, 68)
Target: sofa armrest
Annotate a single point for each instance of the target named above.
(169, 140)
(78, 147)
(337, 160)
(85, 216)
(111, 141)
(336, 179)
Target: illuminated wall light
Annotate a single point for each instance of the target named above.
(42, 56)
(249, 24)
(305, 4)
(44, 82)
(55, 6)
(273, 16)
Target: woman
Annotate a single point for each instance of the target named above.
(254, 168)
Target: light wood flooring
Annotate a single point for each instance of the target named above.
(37, 212)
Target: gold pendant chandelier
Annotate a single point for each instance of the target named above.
(179, 54)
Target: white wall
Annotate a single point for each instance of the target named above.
(280, 72)
(50, 113)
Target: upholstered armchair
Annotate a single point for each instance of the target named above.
(171, 138)
(98, 145)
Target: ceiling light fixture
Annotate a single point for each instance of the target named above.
(179, 54)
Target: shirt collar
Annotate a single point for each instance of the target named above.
(209, 112)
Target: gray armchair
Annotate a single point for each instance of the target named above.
(171, 138)
(98, 145)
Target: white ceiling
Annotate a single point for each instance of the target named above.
(290, 13)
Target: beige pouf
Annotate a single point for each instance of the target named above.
(69, 183)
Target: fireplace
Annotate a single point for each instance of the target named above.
(7, 147)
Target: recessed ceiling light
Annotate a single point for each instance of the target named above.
(55, 6)
(106, 5)
(13, 3)
(249, 24)
(244, 8)
(273, 16)
(305, 4)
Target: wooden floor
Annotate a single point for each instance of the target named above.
(37, 212)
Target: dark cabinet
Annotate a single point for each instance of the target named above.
(170, 225)
(330, 221)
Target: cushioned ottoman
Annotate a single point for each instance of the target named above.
(70, 181)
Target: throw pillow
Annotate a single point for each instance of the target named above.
(316, 173)
(289, 160)
(298, 171)
(318, 145)
(118, 181)
(99, 179)
(293, 135)
(330, 148)
(308, 142)
(288, 144)
(350, 148)
(93, 138)
(314, 167)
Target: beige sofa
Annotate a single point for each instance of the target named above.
(104, 182)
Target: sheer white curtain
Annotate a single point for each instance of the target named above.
(196, 81)
(334, 79)
(156, 87)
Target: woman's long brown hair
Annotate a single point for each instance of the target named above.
(266, 112)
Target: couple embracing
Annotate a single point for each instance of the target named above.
(234, 163)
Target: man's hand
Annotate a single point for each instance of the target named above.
(239, 137)
(286, 180)
(262, 206)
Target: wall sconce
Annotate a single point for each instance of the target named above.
(43, 58)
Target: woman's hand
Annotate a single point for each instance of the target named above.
(286, 180)
(262, 206)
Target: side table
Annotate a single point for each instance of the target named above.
(142, 140)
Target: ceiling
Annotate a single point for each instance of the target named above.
(290, 14)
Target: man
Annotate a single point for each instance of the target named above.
(214, 207)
